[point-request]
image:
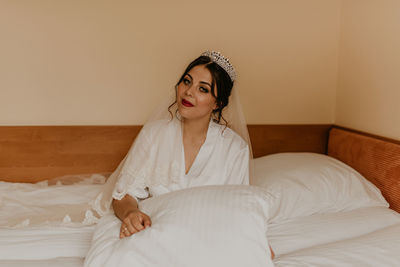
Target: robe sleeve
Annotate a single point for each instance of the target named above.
(239, 167)
(133, 170)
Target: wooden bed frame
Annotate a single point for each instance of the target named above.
(35, 153)
(376, 158)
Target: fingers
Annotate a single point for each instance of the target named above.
(147, 222)
(124, 231)
(131, 229)
(138, 225)
(134, 223)
(121, 234)
(126, 228)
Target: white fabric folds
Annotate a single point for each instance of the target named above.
(156, 164)
(50, 203)
(202, 226)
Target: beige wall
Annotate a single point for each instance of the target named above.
(110, 62)
(368, 95)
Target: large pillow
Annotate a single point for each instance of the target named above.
(309, 183)
(209, 226)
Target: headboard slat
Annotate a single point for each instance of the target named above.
(376, 159)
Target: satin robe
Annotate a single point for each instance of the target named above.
(156, 163)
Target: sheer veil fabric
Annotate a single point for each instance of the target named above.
(85, 213)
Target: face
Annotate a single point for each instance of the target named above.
(194, 98)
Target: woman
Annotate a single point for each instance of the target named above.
(199, 139)
(212, 152)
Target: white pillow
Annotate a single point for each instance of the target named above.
(309, 183)
(200, 226)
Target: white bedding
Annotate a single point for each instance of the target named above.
(380, 248)
(56, 262)
(202, 226)
(319, 229)
(45, 242)
(363, 237)
(23, 204)
(326, 213)
(363, 233)
(26, 241)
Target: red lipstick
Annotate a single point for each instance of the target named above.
(186, 103)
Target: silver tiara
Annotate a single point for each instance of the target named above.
(222, 61)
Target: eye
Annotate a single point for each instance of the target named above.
(186, 81)
(204, 90)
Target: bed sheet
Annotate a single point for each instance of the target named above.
(57, 262)
(28, 241)
(304, 232)
(45, 242)
(23, 204)
(379, 248)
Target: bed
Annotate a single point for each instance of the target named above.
(323, 207)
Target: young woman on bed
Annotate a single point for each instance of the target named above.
(188, 144)
(213, 154)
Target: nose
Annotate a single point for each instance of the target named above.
(189, 90)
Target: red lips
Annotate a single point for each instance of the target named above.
(186, 103)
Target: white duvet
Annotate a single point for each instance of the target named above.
(45, 242)
(362, 237)
(380, 248)
(319, 229)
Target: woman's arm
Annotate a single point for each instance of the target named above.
(133, 220)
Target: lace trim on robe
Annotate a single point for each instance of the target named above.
(148, 176)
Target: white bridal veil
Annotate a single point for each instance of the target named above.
(98, 201)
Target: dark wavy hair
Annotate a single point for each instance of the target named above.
(221, 82)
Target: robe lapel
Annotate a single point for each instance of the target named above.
(205, 151)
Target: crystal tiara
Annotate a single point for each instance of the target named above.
(222, 61)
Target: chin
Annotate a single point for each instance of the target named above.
(185, 114)
(191, 113)
(190, 116)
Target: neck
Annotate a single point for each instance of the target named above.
(195, 128)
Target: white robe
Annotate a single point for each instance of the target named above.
(156, 163)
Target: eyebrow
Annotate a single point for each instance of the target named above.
(206, 83)
(200, 81)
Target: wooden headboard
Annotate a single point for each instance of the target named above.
(376, 158)
(35, 153)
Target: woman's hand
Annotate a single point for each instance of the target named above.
(135, 221)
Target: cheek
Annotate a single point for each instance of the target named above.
(179, 90)
(207, 102)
